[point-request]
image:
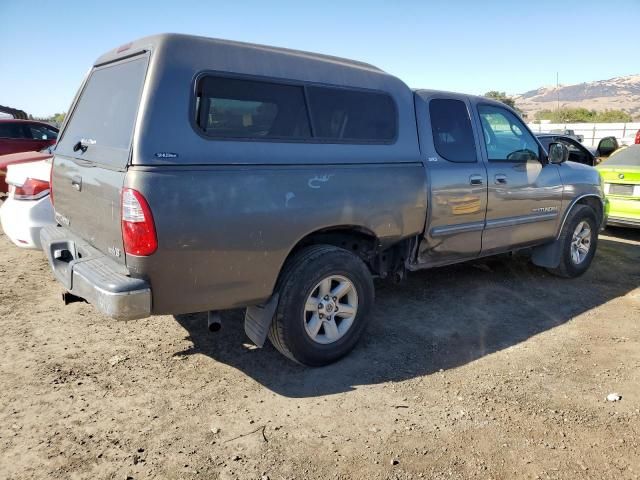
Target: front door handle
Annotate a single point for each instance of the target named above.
(500, 179)
(475, 180)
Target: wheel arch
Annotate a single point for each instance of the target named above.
(549, 254)
(591, 200)
(381, 257)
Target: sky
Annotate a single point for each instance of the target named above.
(46, 47)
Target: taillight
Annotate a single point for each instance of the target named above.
(138, 229)
(31, 189)
(637, 137)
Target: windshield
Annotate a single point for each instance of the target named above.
(104, 117)
(627, 157)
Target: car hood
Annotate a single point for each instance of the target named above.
(21, 158)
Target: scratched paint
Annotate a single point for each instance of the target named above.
(318, 180)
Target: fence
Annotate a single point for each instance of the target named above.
(592, 132)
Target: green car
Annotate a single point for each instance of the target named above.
(621, 176)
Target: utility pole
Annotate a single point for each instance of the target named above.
(558, 91)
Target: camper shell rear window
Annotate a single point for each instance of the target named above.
(104, 116)
(255, 109)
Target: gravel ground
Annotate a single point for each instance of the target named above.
(492, 370)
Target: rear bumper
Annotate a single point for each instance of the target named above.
(22, 220)
(89, 274)
(623, 222)
(623, 212)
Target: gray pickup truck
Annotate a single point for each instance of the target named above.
(195, 174)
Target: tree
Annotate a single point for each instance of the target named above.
(582, 115)
(57, 118)
(501, 97)
(614, 116)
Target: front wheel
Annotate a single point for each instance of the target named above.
(579, 239)
(326, 293)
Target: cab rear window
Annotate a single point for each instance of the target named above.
(104, 116)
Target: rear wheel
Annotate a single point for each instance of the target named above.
(579, 239)
(326, 293)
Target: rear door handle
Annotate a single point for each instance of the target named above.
(475, 179)
(500, 179)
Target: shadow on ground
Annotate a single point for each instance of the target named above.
(437, 319)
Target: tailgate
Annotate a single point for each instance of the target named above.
(92, 155)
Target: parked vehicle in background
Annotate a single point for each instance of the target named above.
(293, 181)
(15, 158)
(25, 135)
(28, 207)
(577, 151)
(632, 139)
(621, 175)
(568, 133)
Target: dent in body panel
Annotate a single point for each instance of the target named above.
(224, 232)
(456, 213)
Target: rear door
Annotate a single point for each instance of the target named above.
(525, 192)
(93, 153)
(457, 180)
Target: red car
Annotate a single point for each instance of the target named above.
(27, 136)
(22, 157)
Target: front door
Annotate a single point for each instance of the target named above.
(524, 190)
(457, 180)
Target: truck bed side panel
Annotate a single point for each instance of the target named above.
(225, 232)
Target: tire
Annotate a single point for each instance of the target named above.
(298, 314)
(569, 267)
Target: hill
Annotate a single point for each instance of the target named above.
(619, 93)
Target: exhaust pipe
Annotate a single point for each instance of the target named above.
(214, 321)
(68, 297)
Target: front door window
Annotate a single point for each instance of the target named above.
(506, 137)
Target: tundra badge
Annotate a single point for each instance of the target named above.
(545, 209)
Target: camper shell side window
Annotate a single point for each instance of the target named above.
(232, 108)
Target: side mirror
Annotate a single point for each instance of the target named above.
(558, 153)
(607, 146)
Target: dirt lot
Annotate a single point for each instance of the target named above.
(495, 370)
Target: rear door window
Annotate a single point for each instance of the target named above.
(235, 108)
(451, 129)
(42, 132)
(627, 157)
(105, 114)
(13, 130)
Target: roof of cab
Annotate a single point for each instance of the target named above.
(163, 39)
(425, 94)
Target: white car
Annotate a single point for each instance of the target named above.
(28, 207)
(630, 139)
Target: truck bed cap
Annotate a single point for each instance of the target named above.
(230, 47)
